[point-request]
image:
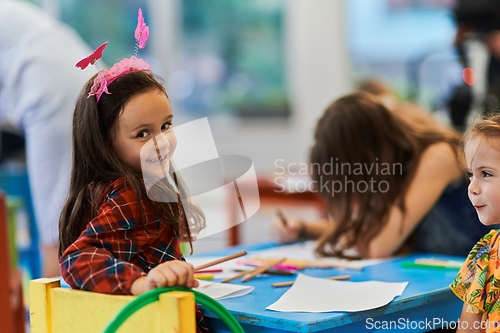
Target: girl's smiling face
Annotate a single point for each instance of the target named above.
(144, 137)
(483, 166)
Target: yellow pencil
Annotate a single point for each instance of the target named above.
(203, 276)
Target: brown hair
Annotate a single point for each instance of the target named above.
(360, 133)
(96, 162)
(487, 128)
(374, 87)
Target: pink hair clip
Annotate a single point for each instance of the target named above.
(91, 59)
(142, 31)
(105, 77)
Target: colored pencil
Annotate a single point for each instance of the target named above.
(238, 275)
(262, 269)
(311, 264)
(215, 262)
(203, 276)
(263, 262)
(259, 270)
(210, 271)
(269, 271)
(289, 283)
(432, 261)
(417, 265)
(281, 216)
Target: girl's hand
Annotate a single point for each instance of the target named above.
(175, 273)
(286, 234)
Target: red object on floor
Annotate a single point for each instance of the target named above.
(11, 289)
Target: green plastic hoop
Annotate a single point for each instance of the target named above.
(154, 295)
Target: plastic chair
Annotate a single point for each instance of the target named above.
(153, 296)
(167, 310)
(60, 310)
(11, 289)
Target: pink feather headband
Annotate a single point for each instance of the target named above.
(107, 76)
(104, 78)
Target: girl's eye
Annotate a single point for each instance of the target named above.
(486, 174)
(142, 134)
(166, 126)
(469, 175)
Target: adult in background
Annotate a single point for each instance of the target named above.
(39, 85)
(396, 186)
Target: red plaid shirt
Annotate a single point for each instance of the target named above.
(114, 249)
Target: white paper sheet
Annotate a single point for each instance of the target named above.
(311, 294)
(305, 251)
(223, 290)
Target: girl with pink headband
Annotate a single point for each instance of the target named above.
(113, 237)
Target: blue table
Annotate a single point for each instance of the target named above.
(424, 305)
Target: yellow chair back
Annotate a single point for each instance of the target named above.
(61, 310)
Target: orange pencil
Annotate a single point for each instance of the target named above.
(262, 269)
(215, 262)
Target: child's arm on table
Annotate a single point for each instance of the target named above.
(99, 259)
(296, 229)
(469, 322)
(168, 274)
(96, 269)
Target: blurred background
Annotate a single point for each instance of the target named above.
(263, 71)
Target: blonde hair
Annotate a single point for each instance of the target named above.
(487, 128)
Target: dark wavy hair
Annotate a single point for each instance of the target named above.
(97, 163)
(356, 129)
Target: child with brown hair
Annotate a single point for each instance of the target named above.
(121, 224)
(396, 184)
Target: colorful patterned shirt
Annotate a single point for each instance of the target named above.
(114, 249)
(478, 282)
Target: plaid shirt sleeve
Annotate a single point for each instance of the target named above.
(99, 259)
